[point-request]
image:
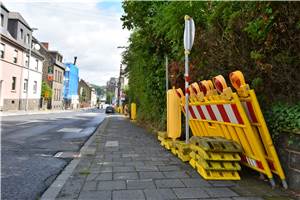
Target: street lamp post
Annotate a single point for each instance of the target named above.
(27, 86)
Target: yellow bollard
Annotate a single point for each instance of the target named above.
(133, 111)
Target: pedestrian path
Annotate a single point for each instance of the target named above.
(126, 162)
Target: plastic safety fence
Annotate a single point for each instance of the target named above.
(215, 158)
(251, 106)
(220, 112)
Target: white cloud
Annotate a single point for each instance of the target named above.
(86, 29)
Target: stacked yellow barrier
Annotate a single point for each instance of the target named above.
(251, 106)
(221, 113)
(215, 158)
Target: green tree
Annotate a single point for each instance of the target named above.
(46, 92)
(259, 38)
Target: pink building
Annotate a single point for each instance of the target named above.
(20, 84)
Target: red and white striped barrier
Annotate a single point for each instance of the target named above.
(248, 107)
(216, 112)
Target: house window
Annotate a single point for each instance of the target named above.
(22, 34)
(27, 61)
(37, 64)
(13, 84)
(2, 20)
(2, 47)
(34, 87)
(15, 56)
(25, 86)
(27, 38)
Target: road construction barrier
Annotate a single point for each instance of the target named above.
(173, 115)
(215, 158)
(169, 139)
(219, 112)
(251, 106)
(133, 111)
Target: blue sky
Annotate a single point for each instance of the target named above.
(116, 5)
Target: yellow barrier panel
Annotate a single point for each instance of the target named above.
(133, 111)
(251, 106)
(173, 115)
(223, 115)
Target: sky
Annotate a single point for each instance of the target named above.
(89, 29)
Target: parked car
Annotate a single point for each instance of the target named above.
(109, 109)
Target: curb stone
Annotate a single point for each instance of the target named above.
(54, 189)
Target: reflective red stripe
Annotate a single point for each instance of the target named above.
(194, 89)
(200, 112)
(178, 94)
(211, 112)
(271, 165)
(223, 113)
(251, 111)
(237, 114)
(192, 112)
(259, 164)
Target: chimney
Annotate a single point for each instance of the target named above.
(75, 59)
(45, 44)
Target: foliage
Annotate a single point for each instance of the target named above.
(262, 39)
(109, 96)
(100, 90)
(46, 91)
(284, 118)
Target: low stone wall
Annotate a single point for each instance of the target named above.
(17, 104)
(288, 149)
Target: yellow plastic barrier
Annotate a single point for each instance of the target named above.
(215, 158)
(173, 115)
(251, 106)
(223, 115)
(133, 111)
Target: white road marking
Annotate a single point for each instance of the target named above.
(70, 130)
(28, 122)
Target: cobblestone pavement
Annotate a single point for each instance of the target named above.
(126, 162)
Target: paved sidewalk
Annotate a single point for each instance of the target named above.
(126, 162)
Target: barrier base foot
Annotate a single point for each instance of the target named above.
(272, 182)
(284, 184)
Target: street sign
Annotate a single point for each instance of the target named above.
(188, 41)
(189, 33)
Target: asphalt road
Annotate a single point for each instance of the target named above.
(28, 146)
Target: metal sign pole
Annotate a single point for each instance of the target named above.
(187, 134)
(189, 34)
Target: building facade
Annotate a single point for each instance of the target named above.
(53, 75)
(71, 98)
(84, 92)
(20, 68)
(87, 94)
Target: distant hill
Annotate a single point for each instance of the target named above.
(99, 89)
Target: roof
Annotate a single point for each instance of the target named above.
(18, 16)
(2, 6)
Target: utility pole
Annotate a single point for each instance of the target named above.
(119, 86)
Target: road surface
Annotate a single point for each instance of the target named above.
(29, 144)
